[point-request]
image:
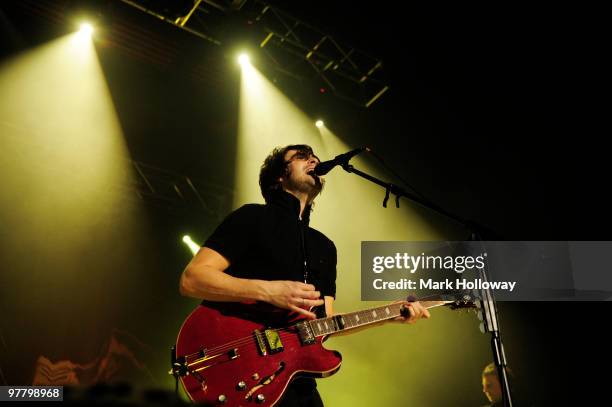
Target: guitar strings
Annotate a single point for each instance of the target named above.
(220, 349)
(239, 343)
(244, 340)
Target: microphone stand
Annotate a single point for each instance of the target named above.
(490, 323)
(486, 304)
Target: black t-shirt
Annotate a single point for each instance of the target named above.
(270, 242)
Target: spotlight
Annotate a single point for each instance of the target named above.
(243, 60)
(83, 36)
(86, 29)
(319, 123)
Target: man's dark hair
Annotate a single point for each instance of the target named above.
(275, 167)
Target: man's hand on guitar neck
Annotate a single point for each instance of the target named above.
(414, 311)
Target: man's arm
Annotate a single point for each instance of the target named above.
(205, 278)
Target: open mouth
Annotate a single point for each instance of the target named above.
(313, 175)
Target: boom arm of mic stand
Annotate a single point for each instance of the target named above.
(400, 192)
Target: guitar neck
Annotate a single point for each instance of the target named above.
(358, 319)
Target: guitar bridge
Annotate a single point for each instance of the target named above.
(261, 346)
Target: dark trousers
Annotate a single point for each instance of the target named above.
(301, 392)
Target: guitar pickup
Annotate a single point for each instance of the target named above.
(305, 333)
(274, 341)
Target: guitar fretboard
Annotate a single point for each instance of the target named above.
(344, 322)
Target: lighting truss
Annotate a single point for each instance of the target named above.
(292, 47)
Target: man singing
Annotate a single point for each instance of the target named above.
(269, 253)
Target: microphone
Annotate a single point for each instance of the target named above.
(326, 166)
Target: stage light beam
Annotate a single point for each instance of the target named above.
(319, 123)
(63, 152)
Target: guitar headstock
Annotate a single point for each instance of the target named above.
(460, 300)
(453, 300)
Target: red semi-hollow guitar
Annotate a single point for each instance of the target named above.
(245, 355)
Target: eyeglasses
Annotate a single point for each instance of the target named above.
(302, 155)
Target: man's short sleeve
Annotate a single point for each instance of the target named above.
(232, 237)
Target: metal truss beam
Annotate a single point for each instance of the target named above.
(295, 48)
(173, 190)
